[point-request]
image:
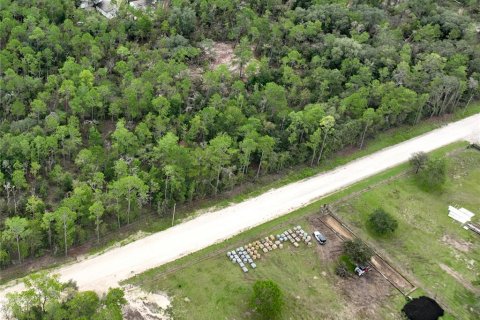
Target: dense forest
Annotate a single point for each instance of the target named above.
(103, 120)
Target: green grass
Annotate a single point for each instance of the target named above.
(216, 289)
(224, 290)
(418, 245)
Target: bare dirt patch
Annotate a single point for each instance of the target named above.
(145, 306)
(222, 53)
(457, 244)
(384, 268)
(364, 294)
(333, 249)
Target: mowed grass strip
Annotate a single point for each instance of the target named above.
(429, 246)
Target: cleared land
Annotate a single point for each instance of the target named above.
(434, 252)
(379, 263)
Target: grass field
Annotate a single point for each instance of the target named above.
(431, 248)
(217, 289)
(208, 286)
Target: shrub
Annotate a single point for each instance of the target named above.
(382, 222)
(418, 160)
(434, 175)
(341, 270)
(357, 251)
(345, 266)
(267, 299)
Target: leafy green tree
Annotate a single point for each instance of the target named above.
(124, 141)
(327, 126)
(18, 183)
(67, 90)
(38, 107)
(266, 146)
(434, 174)
(357, 251)
(46, 224)
(42, 290)
(46, 297)
(218, 155)
(247, 147)
(4, 256)
(87, 161)
(382, 222)
(64, 219)
(267, 299)
(83, 305)
(35, 206)
(369, 117)
(183, 19)
(96, 212)
(132, 189)
(314, 142)
(243, 54)
(17, 228)
(275, 99)
(112, 302)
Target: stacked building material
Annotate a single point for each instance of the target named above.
(246, 255)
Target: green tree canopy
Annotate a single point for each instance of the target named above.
(382, 222)
(267, 299)
(357, 251)
(434, 174)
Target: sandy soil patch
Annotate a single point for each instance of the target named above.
(337, 227)
(146, 306)
(222, 53)
(459, 245)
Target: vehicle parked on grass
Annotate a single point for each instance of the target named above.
(320, 237)
(361, 270)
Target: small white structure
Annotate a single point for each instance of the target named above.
(461, 215)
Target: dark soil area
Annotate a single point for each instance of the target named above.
(423, 308)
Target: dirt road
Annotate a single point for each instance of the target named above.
(106, 270)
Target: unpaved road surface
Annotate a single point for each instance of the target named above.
(106, 270)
